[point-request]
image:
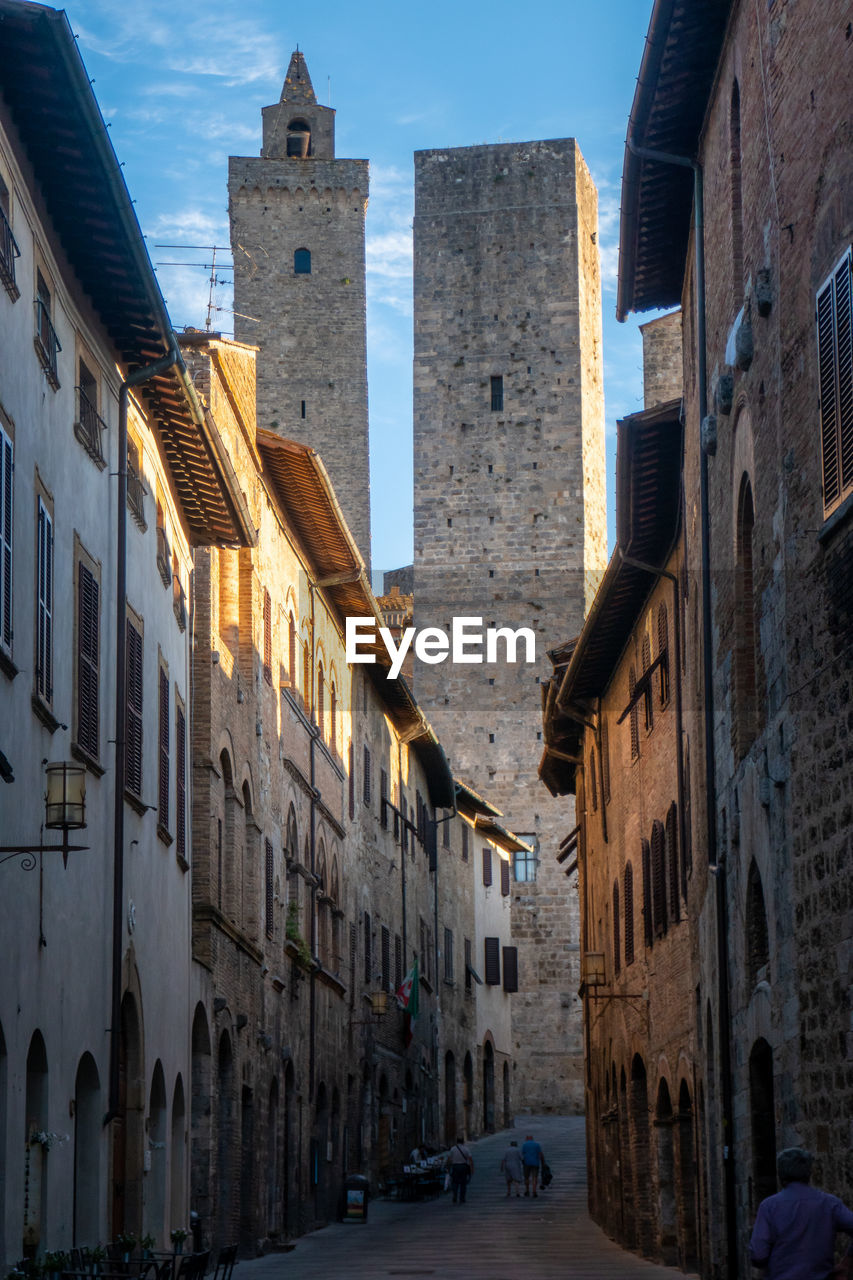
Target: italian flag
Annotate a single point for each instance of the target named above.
(407, 999)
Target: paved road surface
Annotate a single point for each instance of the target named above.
(488, 1238)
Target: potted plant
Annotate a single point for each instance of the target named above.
(147, 1245)
(178, 1235)
(126, 1242)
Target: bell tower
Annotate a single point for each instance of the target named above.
(297, 236)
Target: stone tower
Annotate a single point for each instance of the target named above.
(297, 236)
(510, 519)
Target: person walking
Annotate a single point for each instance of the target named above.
(512, 1168)
(794, 1233)
(461, 1168)
(533, 1158)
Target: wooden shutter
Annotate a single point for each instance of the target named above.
(291, 651)
(353, 951)
(267, 637)
(510, 962)
(180, 783)
(468, 966)
(659, 878)
(163, 775)
(663, 653)
(269, 886)
(383, 798)
(133, 700)
(88, 665)
(617, 942)
(835, 379)
(448, 955)
(504, 878)
(487, 865)
(635, 718)
(44, 633)
(6, 467)
(386, 958)
(493, 961)
(672, 861)
(629, 914)
(351, 781)
(365, 782)
(430, 840)
(648, 929)
(648, 702)
(368, 959)
(398, 962)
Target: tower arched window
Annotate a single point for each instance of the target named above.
(745, 690)
(737, 196)
(302, 262)
(298, 139)
(757, 937)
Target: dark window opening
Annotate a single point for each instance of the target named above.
(497, 385)
(302, 262)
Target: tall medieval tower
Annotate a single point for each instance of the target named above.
(297, 236)
(510, 521)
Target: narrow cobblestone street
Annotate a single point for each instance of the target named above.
(489, 1236)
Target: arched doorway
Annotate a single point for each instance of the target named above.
(762, 1110)
(289, 1164)
(88, 1119)
(686, 1190)
(222, 1228)
(383, 1130)
(155, 1182)
(450, 1129)
(35, 1151)
(319, 1140)
(629, 1215)
(468, 1095)
(200, 1124)
(488, 1087)
(667, 1220)
(129, 1126)
(248, 1235)
(645, 1220)
(273, 1165)
(177, 1173)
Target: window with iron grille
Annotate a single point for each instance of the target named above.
(634, 715)
(180, 782)
(605, 763)
(9, 250)
(351, 754)
(834, 316)
(164, 551)
(398, 962)
(648, 926)
(88, 661)
(6, 470)
(269, 887)
(464, 842)
(658, 850)
(617, 942)
(133, 700)
(663, 654)
(504, 878)
(89, 424)
(44, 605)
(365, 782)
(267, 637)
(47, 344)
(448, 955)
(492, 957)
(383, 798)
(163, 753)
(629, 914)
(135, 486)
(487, 866)
(368, 957)
(497, 390)
(386, 958)
(510, 968)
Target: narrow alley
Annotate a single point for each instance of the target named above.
(489, 1236)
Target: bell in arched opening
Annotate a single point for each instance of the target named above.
(298, 139)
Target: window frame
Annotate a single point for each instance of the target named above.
(833, 365)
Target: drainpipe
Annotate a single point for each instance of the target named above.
(135, 379)
(717, 864)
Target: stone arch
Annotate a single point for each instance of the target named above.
(629, 1215)
(667, 1213)
(272, 1166)
(757, 939)
(641, 1158)
(128, 1126)
(88, 1123)
(290, 1167)
(302, 262)
(200, 1118)
(686, 1182)
(177, 1170)
(154, 1216)
(762, 1111)
(745, 664)
(36, 1153)
(450, 1128)
(488, 1084)
(249, 1207)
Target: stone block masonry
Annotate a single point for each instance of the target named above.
(510, 508)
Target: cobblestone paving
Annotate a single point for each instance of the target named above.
(488, 1238)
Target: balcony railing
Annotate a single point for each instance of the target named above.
(88, 427)
(47, 344)
(164, 556)
(136, 496)
(179, 603)
(9, 251)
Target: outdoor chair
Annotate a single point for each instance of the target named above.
(225, 1263)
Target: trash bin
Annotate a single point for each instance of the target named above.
(356, 1195)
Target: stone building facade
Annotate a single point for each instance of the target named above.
(297, 237)
(767, 487)
(320, 873)
(98, 528)
(509, 509)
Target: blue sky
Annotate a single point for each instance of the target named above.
(182, 88)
